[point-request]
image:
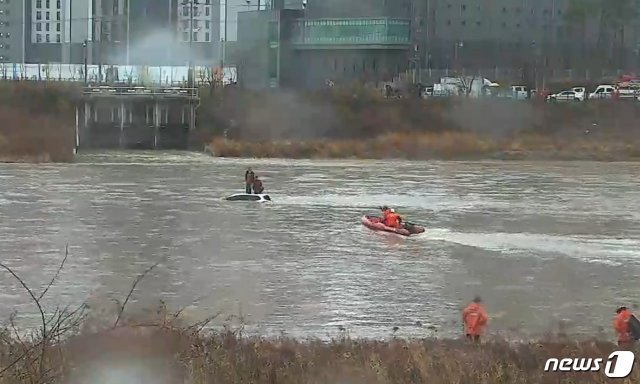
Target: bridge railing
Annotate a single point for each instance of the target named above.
(147, 75)
(143, 91)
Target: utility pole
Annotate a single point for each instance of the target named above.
(85, 45)
(128, 22)
(224, 39)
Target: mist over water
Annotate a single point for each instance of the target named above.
(541, 242)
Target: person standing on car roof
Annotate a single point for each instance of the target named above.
(249, 178)
(257, 185)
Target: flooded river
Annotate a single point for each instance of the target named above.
(541, 242)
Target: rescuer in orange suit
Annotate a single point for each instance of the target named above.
(621, 325)
(475, 319)
(392, 219)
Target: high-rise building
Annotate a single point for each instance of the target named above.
(136, 32)
(511, 33)
(12, 48)
(55, 31)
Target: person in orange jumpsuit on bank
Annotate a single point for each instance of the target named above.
(475, 319)
(621, 325)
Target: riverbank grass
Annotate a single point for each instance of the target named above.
(436, 146)
(164, 353)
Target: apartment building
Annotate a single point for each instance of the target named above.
(136, 32)
(503, 33)
(157, 32)
(12, 48)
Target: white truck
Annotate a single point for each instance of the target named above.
(462, 86)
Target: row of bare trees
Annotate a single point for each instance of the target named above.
(41, 356)
(612, 20)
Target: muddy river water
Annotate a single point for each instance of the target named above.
(542, 243)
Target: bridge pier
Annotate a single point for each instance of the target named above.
(121, 138)
(156, 123)
(77, 131)
(85, 126)
(137, 117)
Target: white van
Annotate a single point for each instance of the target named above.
(602, 92)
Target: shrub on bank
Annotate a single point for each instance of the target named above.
(353, 123)
(37, 121)
(443, 145)
(167, 354)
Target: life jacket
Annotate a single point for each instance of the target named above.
(391, 220)
(621, 325)
(475, 318)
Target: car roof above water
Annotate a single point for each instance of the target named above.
(248, 197)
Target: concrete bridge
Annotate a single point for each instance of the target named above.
(136, 117)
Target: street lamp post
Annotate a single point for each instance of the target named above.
(128, 37)
(224, 40)
(85, 45)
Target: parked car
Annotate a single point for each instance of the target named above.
(565, 96)
(519, 92)
(427, 92)
(603, 91)
(581, 92)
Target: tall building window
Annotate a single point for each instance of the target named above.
(47, 38)
(48, 16)
(185, 10)
(38, 38)
(58, 27)
(207, 24)
(38, 3)
(58, 4)
(48, 3)
(207, 11)
(57, 37)
(195, 36)
(47, 27)
(206, 36)
(38, 15)
(38, 27)
(58, 15)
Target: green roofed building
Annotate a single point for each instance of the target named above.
(309, 46)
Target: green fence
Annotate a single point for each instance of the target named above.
(351, 31)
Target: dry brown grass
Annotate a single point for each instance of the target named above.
(36, 122)
(166, 354)
(358, 123)
(441, 145)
